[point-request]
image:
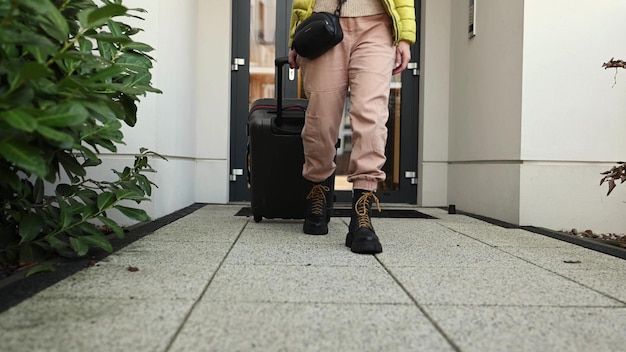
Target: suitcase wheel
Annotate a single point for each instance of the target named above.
(257, 218)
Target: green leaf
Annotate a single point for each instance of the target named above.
(71, 166)
(110, 38)
(92, 18)
(113, 226)
(88, 196)
(33, 70)
(122, 194)
(115, 28)
(69, 114)
(88, 211)
(79, 245)
(106, 74)
(66, 141)
(101, 111)
(88, 228)
(98, 241)
(66, 214)
(38, 191)
(56, 25)
(64, 190)
(20, 119)
(56, 243)
(130, 108)
(40, 269)
(133, 213)
(30, 227)
(86, 46)
(10, 36)
(145, 184)
(105, 200)
(107, 50)
(137, 46)
(24, 156)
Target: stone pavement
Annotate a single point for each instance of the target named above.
(212, 281)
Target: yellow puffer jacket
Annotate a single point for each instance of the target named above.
(402, 14)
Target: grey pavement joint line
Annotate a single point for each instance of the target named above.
(205, 289)
(421, 309)
(539, 266)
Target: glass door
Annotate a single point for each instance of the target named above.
(262, 49)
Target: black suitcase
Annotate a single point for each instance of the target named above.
(276, 156)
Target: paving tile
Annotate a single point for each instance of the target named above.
(162, 255)
(419, 232)
(308, 327)
(218, 210)
(117, 281)
(532, 328)
(165, 270)
(311, 284)
(71, 324)
(503, 237)
(475, 256)
(446, 218)
(245, 253)
(610, 282)
(569, 257)
(519, 286)
(290, 231)
(201, 230)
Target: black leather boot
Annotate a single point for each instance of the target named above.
(361, 237)
(317, 216)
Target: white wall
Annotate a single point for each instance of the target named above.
(573, 120)
(434, 103)
(485, 108)
(189, 122)
(212, 82)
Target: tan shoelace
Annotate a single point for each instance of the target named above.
(319, 198)
(361, 208)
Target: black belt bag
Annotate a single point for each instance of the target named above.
(318, 33)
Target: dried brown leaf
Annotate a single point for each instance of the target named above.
(611, 186)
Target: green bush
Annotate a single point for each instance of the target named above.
(70, 74)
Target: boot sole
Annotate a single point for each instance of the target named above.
(368, 247)
(315, 230)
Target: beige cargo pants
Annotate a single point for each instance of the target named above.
(363, 61)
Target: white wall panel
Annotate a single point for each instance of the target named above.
(571, 110)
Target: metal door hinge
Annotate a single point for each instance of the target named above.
(412, 175)
(234, 173)
(415, 67)
(238, 61)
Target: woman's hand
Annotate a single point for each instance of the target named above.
(293, 63)
(403, 56)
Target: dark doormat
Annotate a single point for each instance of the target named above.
(345, 213)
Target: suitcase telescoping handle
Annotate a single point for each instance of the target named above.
(279, 62)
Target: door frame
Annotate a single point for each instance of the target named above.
(240, 82)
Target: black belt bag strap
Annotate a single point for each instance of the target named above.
(318, 33)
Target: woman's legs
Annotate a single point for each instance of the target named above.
(363, 61)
